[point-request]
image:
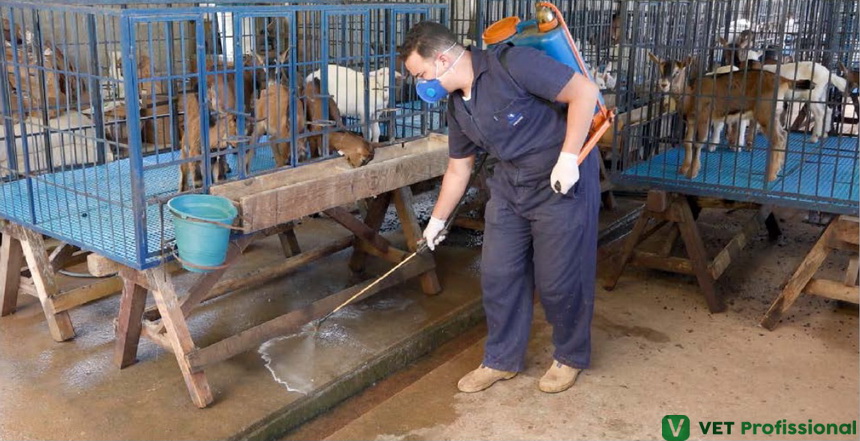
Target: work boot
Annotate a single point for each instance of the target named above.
(482, 378)
(558, 378)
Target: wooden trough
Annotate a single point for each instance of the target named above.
(269, 205)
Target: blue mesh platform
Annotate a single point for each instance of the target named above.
(818, 176)
(92, 207)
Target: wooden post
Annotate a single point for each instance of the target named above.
(696, 251)
(177, 333)
(59, 323)
(626, 252)
(412, 231)
(841, 233)
(375, 216)
(131, 307)
(11, 260)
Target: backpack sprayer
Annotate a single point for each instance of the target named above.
(547, 32)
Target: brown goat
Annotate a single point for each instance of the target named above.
(736, 53)
(729, 97)
(222, 134)
(357, 150)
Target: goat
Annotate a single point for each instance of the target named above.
(222, 127)
(730, 97)
(817, 96)
(348, 85)
(737, 52)
(852, 80)
(272, 115)
(356, 149)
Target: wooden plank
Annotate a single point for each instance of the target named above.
(405, 206)
(177, 333)
(357, 227)
(331, 186)
(656, 261)
(27, 287)
(293, 321)
(67, 300)
(131, 306)
(799, 279)
(260, 275)
(832, 289)
(376, 210)
(852, 274)
(670, 241)
(698, 255)
(393, 255)
(65, 255)
(154, 332)
(59, 323)
(11, 261)
(732, 249)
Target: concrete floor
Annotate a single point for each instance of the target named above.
(657, 351)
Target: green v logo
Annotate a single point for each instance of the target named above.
(676, 427)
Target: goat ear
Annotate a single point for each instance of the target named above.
(261, 60)
(283, 57)
(689, 61)
(654, 58)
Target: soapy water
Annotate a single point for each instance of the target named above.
(304, 361)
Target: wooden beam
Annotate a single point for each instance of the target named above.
(293, 321)
(801, 277)
(852, 274)
(357, 227)
(405, 206)
(67, 300)
(393, 255)
(177, 333)
(847, 231)
(377, 207)
(260, 275)
(290, 243)
(832, 290)
(33, 246)
(101, 266)
(678, 265)
(286, 195)
(732, 249)
(11, 261)
(627, 251)
(698, 255)
(131, 306)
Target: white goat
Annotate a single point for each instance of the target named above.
(816, 97)
(347, 88)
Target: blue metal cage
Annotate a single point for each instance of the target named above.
(819, 173)
(103, 102)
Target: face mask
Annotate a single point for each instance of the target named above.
(432, 91)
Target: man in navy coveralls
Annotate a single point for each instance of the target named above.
(533, 114)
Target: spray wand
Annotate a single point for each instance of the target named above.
(421, 248)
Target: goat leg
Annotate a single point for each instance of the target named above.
(688, 146)
(701, 138)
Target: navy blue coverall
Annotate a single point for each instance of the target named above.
(534, 238)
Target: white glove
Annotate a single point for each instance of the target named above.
(434, 232)
(565, 173)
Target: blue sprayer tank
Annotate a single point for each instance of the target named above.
(553, 42)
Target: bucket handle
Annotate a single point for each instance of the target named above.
(244, 220)
(175, 252)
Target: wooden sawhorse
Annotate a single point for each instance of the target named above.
(680, 212)
(39, 278)
(269, 204)
(841, 233)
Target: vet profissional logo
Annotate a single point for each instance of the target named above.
(676, 427)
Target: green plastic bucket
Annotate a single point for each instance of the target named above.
(201, 244)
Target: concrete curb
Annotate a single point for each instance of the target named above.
(395, 358)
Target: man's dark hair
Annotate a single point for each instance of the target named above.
(427, 38)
